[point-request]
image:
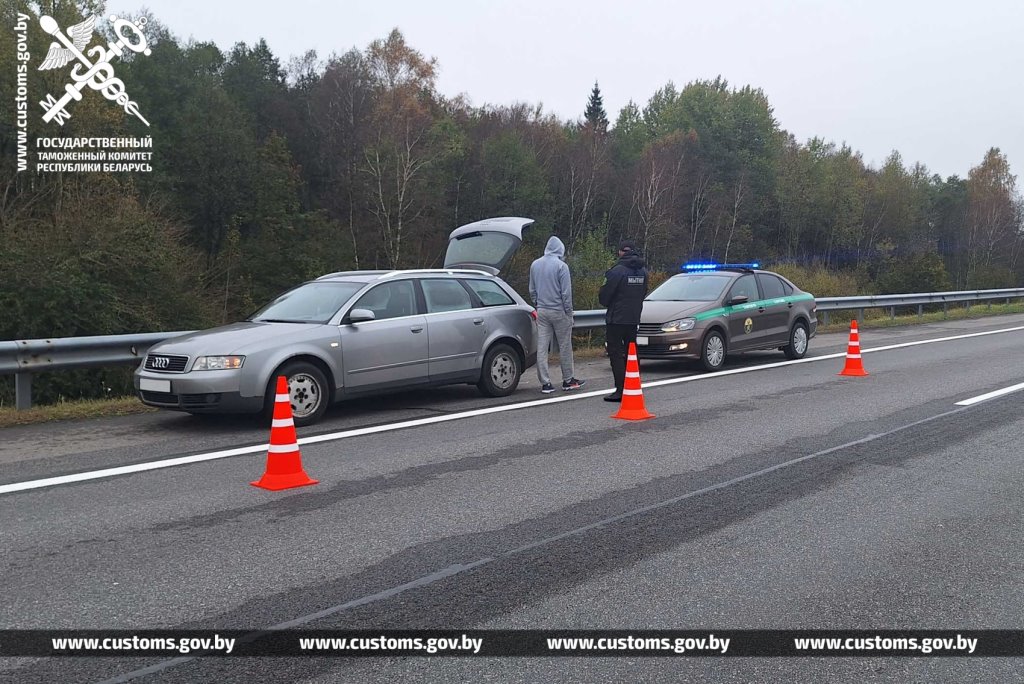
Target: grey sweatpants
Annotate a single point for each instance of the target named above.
(558, 324)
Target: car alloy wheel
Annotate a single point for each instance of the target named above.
(797, 347)
(503, 370)
(305, 395)
(800, 340)
(309, 392)
(714, 350)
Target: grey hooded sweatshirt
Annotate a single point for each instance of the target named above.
(550, 284)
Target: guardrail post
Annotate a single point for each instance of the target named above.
(860, 315)
(945, 310)
(825, 314)
(892, 312)
(920, 310)
(22, 391)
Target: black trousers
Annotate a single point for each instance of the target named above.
(619, 337)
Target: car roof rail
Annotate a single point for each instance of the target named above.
(449, 271)
(350, 273)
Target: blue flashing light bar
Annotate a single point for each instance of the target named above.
(717, 267)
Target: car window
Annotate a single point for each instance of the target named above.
(745, 286)
(695, 287)
(443, 294)
(788, 287)
(771, 285)
(489, 292)
(313, 302)
(482, 247)
(389, 300)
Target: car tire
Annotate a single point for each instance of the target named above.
(501, 371)
(308, 388)
(712, 351)
(798, 341)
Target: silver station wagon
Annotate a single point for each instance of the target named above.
(353, 333)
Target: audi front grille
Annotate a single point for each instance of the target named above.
(166, 363)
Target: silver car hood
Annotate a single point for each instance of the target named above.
(236, 338)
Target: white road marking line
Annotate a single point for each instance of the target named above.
(389, 427)
(990, 395)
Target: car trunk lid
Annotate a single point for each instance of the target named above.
(486, 245)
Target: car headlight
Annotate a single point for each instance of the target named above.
(680, 325)
(218, 363)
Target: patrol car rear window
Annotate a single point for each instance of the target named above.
(695, 287)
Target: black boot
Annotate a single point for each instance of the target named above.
(616, 396)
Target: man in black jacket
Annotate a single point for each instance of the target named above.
(622, 294)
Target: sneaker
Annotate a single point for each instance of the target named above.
(614, 397)
(547, 388)
(572, 383)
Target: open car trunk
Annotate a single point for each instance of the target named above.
(486, 245)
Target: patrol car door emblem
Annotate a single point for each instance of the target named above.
(748, 325)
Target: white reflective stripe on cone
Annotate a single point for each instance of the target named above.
(853, 356)
(282, 422)
(282, 448)
(632, 357)
(854, 343)
(632, 393)
(632, 375)
(282, 397)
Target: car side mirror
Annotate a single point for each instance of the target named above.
(738, 299)
(360, 315)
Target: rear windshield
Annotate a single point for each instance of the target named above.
(488, 249)
(696, 287)
(315, 302)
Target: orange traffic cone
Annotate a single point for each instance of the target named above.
(632, 406)
(854, 365)
(284, 462)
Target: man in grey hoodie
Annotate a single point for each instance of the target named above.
(551, 292)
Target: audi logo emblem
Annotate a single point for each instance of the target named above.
(161, 362)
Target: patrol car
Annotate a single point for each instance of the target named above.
(712, 310)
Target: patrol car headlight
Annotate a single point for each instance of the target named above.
(680, 325)
(218, 363)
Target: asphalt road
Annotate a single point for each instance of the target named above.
(782, 497)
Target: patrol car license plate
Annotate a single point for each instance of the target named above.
(154, 385)
(641, 340)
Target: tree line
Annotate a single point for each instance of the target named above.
(267, 173)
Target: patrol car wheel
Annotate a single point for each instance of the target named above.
(501, 371)
(712, 351)
(797, 348)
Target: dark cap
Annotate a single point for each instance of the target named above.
(627, 246)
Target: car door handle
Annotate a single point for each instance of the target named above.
(760, 309)
(417, 328)
(478, 321)
(790, 305)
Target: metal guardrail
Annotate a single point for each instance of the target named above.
(23, 358)
(595, 318)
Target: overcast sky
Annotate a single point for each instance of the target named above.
(938, 80)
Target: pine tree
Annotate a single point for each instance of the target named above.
(596, 118)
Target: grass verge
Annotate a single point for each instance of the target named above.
(70, 410)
